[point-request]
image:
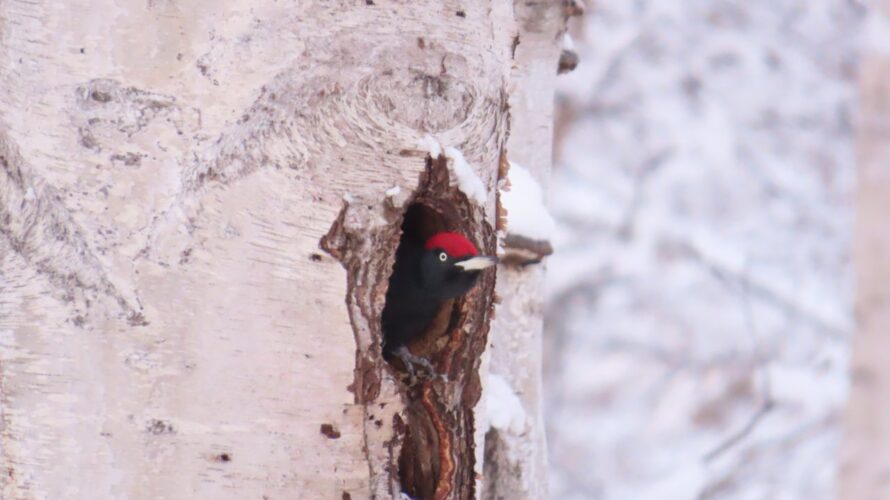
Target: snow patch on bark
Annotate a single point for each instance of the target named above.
(429, 143)
(567, 42)
(505, 411)
(467, 180)
(526, 213)
(393, 191)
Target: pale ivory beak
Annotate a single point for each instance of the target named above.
(477, 263)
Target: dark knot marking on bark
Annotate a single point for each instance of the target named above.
(37, 227)
(437, 454)
(329, 431)
(269, 133)
(106, 105)
(158, 427)
(425, 100)
(299, 115)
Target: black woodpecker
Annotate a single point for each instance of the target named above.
(426, 273)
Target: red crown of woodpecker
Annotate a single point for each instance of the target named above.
(455, 245)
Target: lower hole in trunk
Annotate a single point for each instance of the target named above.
(419, 464)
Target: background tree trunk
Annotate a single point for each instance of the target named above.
(197, 222)
(865, 459)
(515, 448)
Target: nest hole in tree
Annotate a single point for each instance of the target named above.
(435, 429)
(419, 224)
(420, 464)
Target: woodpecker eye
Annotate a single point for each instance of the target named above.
(443, 256)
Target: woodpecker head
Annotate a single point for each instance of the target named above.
(451, 265)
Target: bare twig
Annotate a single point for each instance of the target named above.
(766, 391)
(742, 433)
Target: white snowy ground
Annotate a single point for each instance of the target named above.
(700, 295)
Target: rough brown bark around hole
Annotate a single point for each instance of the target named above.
(436, 459)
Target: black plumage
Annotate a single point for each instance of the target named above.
(425, 274)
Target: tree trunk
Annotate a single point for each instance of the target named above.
(515, 447)
(198, 217)
(865, 459)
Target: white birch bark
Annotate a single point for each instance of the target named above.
(170, 325)
(516, 456)
(865, 453)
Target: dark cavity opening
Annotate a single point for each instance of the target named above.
(421, 222)
(422, 338)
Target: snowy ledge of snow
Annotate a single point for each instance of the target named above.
(505, 411)
(526, 214)
(877, 33)
(467, 180)
(393, 191)
(348, 198)
(430, 144)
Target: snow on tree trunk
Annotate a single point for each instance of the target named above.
(197, 224)
(865, 456)
(515, 450)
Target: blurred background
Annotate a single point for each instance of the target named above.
(697, 337)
